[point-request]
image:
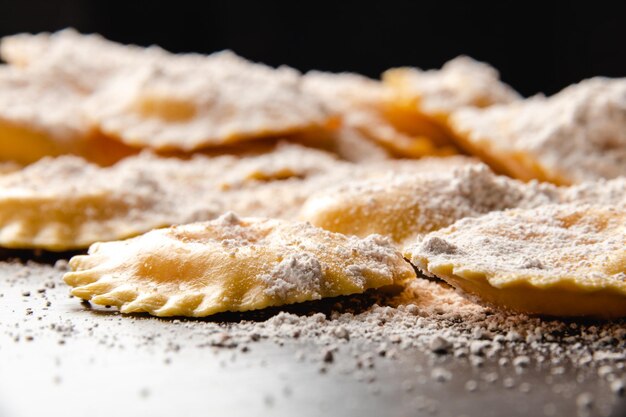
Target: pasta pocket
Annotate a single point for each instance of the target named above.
(557, 260)
(232, 264)
(366, 107)
(577, 135)
(41, 115)
(174, 104)
(68, 203)
(150, 98)
(407, 205)
(460, 83)
(404, 205)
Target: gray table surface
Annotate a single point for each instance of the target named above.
(58, 357)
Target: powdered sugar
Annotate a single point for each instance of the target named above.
(601, 192)
(377, 248)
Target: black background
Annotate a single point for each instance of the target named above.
(536, 47)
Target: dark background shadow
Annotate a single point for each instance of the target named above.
(537, 48)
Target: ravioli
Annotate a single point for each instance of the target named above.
(88, 62)
(41, 115)
(556, 260)
(150, 98)
(579, 134)
(68, 203)
(461, 82)
(365, 106)
(232, 264)
(178, 104)
(426, 99)
(408, 205)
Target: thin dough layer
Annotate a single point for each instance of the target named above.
(425, 99)
(576, 135)
(232, 264)
(557, 260)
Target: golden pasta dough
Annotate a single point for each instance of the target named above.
(173, 104)
(41, 115)
(365, 106)
(68, 203)
(576, 135)
(558, 260)
(147, 97)
(461, 82)
(425, 99)
(410, 204)
(87, 62)
(405, 205)
(232, 264)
